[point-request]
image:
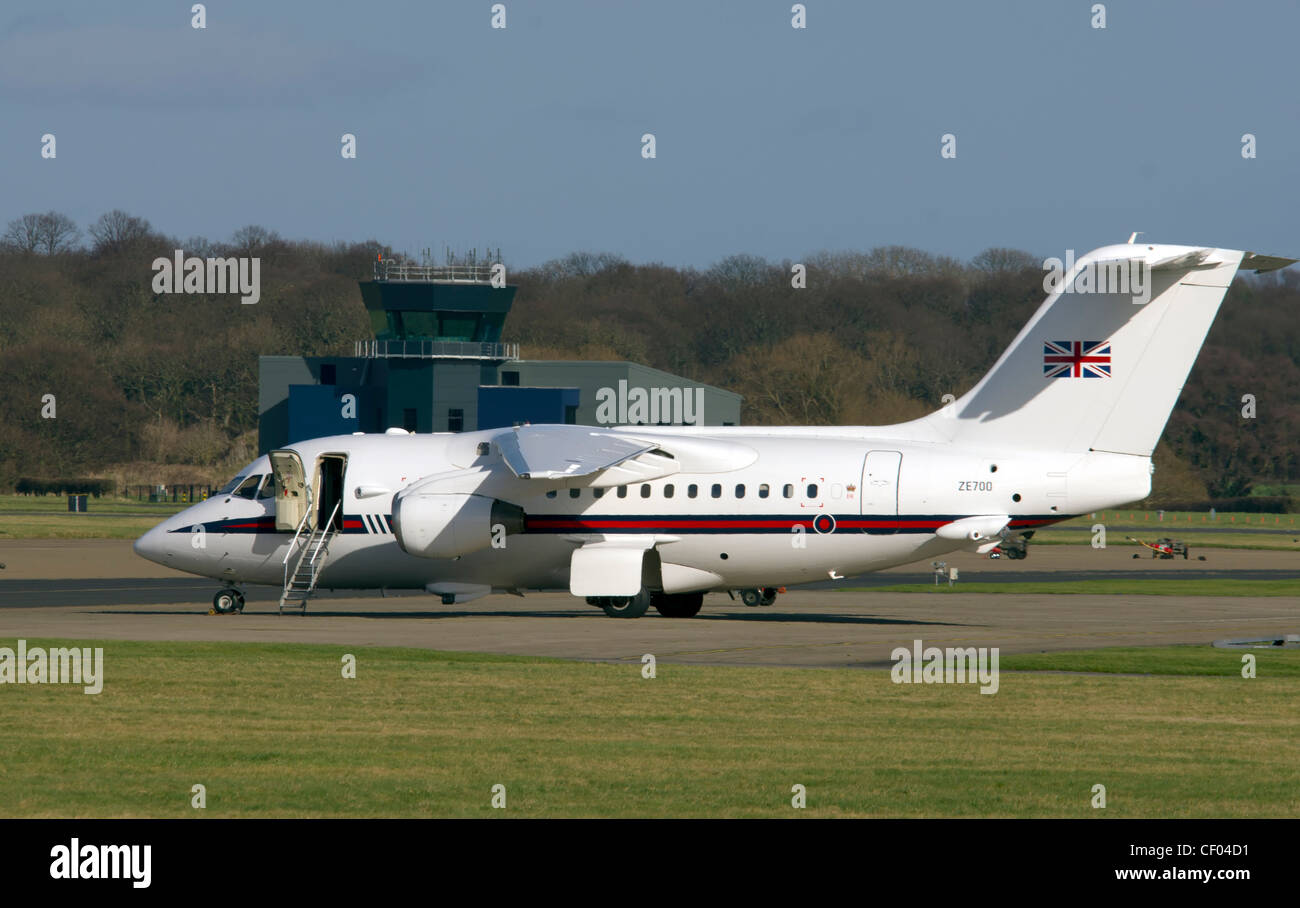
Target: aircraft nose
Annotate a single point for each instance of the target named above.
(152, 545)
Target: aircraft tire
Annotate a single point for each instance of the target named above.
(769, 595)
(751, 597)
(226, 601)
(628, 606)
(678, 605)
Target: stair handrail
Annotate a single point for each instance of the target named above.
(326, 535)
(301, 523)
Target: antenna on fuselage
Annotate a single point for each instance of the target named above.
(1132, 239)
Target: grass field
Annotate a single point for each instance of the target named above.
(75, 526)
(1188, 587)
(1224, 532)
(58, 505)
(47, 517)
(274, 730)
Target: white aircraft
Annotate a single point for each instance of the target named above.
(1063, 424)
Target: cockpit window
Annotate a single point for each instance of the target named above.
(248, 488)
(268, 487)
(230, 486)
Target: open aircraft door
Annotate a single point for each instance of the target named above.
(292, 493)
(879, 496)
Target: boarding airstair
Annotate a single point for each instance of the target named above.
(300, 580)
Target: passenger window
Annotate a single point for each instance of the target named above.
(716, 491)
(645, 490)
(248, 488)
(574, 493)
(622, 491)
(763, 490)
(812, 490)
(268, 487)
(551, 494)
(597, 493)
(668, 491)
(740, 490)
(788, 490)
(692, 490)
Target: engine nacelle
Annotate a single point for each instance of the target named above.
(444, 525)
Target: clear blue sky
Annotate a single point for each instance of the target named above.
(770, 140)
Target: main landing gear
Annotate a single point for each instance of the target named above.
(670, 605)
(756, 597)
(227, 601)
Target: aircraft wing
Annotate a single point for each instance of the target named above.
(571, 452)
(601, 458)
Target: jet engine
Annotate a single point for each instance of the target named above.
(445, 525)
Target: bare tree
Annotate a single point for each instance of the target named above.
(23, 234)
(998, 258)
(58, 232)
(116, 229)
(253, 239)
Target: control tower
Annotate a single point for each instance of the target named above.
(436, 363)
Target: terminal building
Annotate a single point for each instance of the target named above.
(436, 363)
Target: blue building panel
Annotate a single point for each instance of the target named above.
(500, 406)
(317, 410)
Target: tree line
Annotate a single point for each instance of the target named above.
(874, 337)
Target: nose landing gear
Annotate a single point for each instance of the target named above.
(227, 601)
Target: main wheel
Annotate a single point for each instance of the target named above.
(751, 597)
(226, 601)
(769, 595)
(678, 605)
(628, 606)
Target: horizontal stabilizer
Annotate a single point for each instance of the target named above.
(1262, 263)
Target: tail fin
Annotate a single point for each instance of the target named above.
(1103, 360)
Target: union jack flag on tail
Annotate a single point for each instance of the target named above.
(1076, 359)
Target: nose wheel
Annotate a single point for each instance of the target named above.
(227, 601)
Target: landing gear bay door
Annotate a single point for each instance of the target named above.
(292, 495)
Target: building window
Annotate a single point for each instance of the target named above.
(668, 490)
(716, 491)
(740, 490)
(692, 490)
(812, 490)
(764, 490)
(510, 379)
(455, 420)
(788, 490)
(574, 493)
(408, 419)
(645, 490)
(328, 374)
